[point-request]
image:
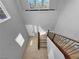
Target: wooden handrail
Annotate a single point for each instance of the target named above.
(67, 37)
(64, 53)
(62, 42)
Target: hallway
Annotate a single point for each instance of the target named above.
(21, 20)
(32, 52)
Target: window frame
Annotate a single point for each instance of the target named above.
(5, 12)
(34, 4)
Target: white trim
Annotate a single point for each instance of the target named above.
(5, 11)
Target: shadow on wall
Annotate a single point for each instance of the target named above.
(33, 30)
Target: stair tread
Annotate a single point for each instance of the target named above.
(43, 40)
(43, 45)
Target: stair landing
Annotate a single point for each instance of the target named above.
(32, 52)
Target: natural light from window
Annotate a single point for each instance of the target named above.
(38, 4)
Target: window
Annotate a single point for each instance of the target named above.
(38, 4)
(3, 13)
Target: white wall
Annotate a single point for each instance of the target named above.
(53, 51)
(58, 4)
(45, 19)
(68, 22)
(9, 30)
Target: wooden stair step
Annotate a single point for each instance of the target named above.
(43, 40)
(43, 46)
(43, 43)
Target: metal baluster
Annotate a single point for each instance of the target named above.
(66, 44)
(75, 52)
(69, 46)
(74, 49)
(56, 39)
(63, 42)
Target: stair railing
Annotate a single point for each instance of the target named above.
(38, 40)
(66, 45)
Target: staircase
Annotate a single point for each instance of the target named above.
(69, 47)
(42, 41)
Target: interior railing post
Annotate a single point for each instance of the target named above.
(38, 40)
(53, 37)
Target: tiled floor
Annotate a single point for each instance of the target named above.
(32, 51)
